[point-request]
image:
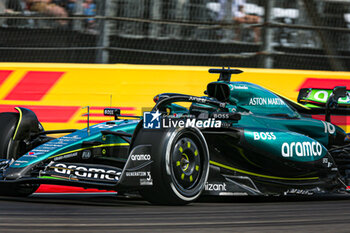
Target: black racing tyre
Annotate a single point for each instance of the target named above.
(10, 149)
(180, 165)
(8, 122)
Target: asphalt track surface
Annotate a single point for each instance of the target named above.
(106, 213)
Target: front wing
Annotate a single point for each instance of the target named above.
(135, 174)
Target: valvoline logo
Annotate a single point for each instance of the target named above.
(151, 120)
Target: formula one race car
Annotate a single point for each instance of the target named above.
(239, 139)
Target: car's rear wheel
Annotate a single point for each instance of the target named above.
(180, 165)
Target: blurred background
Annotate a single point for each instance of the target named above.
(293, 34)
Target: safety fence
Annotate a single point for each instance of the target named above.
(296, 34)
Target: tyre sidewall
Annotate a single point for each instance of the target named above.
(8, 150)
(164, 189)
(8, 122)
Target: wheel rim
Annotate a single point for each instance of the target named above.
(186, 163)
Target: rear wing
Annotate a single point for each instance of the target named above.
(326, 101)
(316, 98)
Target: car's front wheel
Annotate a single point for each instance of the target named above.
(180, 166)
(11, 149)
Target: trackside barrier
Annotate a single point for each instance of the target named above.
(57, 92)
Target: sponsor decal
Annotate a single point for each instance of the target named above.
(197, 99)
(301, 149)
(264, 136)
(21, 161)
(86, 154)
(299, 192)
(111, 111)
(66, 156)
(141, 157)
(238, 87)
(136, 174)
(145, 182)
(44, 149)
(86, 172)
(74, 137)
(102, 126)
(148, 180)
(222, 115)
(215, 187)
(323, 95)
(325, 161)
(266, 101)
